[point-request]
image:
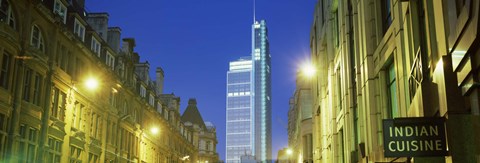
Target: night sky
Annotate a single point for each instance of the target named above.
(194, 40)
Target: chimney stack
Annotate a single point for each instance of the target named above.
(160, 80)
(113, 38)
(99, 22)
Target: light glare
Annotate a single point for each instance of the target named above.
(289, 151)
(309, 70)
(154, 130)
(91, 83)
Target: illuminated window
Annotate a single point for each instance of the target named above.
(61, 10)
(79, 30)
(392, 92)
(36, 39)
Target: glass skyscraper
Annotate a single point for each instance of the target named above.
(262, 94)
(249, 101)
(239, 138)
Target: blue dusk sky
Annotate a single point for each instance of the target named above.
(194, 41)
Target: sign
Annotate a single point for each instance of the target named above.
(414, 137)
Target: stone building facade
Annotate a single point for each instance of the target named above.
(300, 123)
(204, 134)
(49, 49)
(391, 59)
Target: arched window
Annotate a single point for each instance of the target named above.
(6, 13)
(37, 38)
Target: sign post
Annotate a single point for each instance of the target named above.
(414, 137)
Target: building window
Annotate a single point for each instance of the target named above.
(95, 125)
(37, 39)
(54, 150)
(79, 68)
(339, 91)
(27, 84)
(93, 158)
(32, 91)
(386, 14)
(37, 83)
(75, 154)
(58, 105)
(95, 46)
(110, 60)
(6, 13)
(143, 91)
(5, 76)
(27, 143)
(392, 92)
(61, 10)
(151, 100)
(336, 29)
(111, 131)
(79, 30)
(62, 57)
(3, 134)
(77, 121)
(159, 107)
(113, 97)
(134, 115)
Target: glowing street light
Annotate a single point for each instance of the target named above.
(91, 83)
(154, 130)
(309, 70)
(289, 151)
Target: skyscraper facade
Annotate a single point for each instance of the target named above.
(262, 90)
(239, 132)
(249, 101)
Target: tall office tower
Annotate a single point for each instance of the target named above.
(262, 91)
(249, 102)
(239, 132)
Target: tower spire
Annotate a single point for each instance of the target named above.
(254, 11)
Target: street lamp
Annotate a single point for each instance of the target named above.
(154, 130)
(308, 70)
(289, 151)
(91, 83)
(289, 154)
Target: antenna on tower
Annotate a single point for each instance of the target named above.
(254, 11)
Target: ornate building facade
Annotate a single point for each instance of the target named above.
(49, 49)
(205, 133)
(393, 59)
(300, 122)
